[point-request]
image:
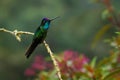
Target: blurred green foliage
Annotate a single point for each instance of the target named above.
(75, 29)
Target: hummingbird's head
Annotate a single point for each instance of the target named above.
(46, 22)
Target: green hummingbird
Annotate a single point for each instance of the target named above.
(39, 35)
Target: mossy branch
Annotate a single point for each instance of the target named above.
(18, 34)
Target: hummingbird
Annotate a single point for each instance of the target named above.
(39, 35)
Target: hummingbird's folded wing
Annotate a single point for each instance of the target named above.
(31, 48)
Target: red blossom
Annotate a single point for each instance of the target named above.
(63, 66)
(38, 66)
(84, 59)
(40, 63)
(38, 59)
(80, 62)
(49, 65)
(29, 72)
(70, 55)
(72, 62)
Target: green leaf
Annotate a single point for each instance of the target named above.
(106, 14)
(93, 62)
(109, 76)
(117, 33)
(99, 34)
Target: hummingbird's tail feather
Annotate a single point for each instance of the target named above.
(31, 49)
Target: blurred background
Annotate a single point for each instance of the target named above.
(79, 22)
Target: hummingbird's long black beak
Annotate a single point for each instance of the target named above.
(54, 18)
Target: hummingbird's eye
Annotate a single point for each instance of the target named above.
(43, 21)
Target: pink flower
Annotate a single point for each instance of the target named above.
(29, 72)
(38, 63)
(49, 65)
(72, 62)
(63, 66)
(84, 59)
(38, 59)
(80, 62)
(70, 55)
(69, 64)
(38, 66)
